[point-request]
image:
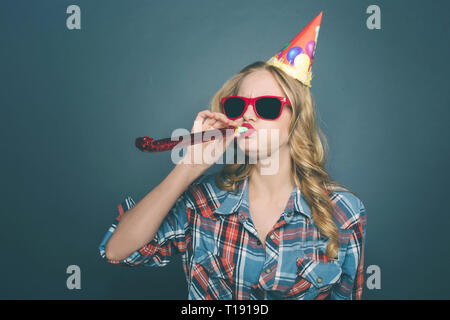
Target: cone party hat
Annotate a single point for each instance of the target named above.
(297, 56)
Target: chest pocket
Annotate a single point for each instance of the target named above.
(314, 278)
(212, 277)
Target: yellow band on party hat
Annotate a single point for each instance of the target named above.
(297, 56)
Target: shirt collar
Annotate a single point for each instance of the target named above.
(233, 201)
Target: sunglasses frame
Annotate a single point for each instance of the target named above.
(252, 101)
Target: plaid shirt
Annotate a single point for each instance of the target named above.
(223, 257)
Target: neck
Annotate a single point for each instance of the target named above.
(279, 182)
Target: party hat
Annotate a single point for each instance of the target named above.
(296, 57)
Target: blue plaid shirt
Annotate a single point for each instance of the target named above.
(223, 257)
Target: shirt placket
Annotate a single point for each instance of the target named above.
(269, 267)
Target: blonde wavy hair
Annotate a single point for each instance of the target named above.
(308, 152)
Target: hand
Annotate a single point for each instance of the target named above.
(204, 155)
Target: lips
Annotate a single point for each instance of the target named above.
(250, 130)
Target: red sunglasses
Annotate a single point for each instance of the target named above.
(265, 107)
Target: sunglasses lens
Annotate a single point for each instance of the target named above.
(233, 107)
(268, 107)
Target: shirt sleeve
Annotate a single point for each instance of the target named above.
(352, 279)
(172, 237)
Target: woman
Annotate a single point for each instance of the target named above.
(290, 234)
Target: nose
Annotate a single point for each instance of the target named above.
(249, 114)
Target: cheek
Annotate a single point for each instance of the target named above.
(285, 121)
(276, 138)
(273, 136)
(278, 132)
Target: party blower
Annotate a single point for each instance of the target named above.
(148, 144)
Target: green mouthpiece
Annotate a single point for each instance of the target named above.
(242, 129)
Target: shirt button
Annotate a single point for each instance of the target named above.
(272, 236)
(258, 242)
(267, 270)
(319, 280)
(289, 214)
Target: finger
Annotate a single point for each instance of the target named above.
(221, 117)
(205, 113)
(209, 123)
(202, 115)
(230, 122)
(223, 121)
(200, 120)
(198, 125)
